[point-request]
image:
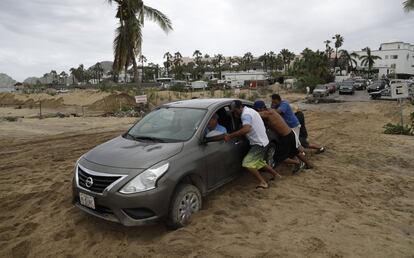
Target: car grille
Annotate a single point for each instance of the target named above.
(99, 182)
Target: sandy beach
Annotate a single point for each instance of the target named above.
(357, 202)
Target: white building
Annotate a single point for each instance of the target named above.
(396, 57)
(244, 76)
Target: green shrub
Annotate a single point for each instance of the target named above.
(242, 95)
(398, 129)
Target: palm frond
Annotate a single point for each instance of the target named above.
(408, 5)
(158, 17)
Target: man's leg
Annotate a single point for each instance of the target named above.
(302, 158)
(291, 161)
(272, 171)
(256, 173)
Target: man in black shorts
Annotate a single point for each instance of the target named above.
(287, 148)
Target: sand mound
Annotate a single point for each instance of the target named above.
(113, 102)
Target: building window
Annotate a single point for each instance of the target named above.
(394, 56)
(398, 46)
(386, 57)
(393, 66)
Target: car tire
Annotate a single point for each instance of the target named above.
(185, 202)
(270, 152)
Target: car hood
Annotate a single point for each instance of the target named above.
(124, 153)
(319, 90)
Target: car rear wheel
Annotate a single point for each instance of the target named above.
(270, 155)
(185, 202)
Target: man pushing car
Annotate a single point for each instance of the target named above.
(255, 131)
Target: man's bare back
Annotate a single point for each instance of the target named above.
(275, 121)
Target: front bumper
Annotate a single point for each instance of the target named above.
(136, 209)
(346, 90)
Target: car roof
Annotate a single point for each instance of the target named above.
(203, 103)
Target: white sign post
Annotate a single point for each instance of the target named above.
(399, 91)
(141, 99)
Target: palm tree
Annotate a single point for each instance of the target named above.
(73, 73)
(178, 58)
(167, 63)
(143, 60)
(339, 40)
(408, 5)
(368, 59)
(247, 60)
(349, 58)
(218, 61)
(128, 37)
(287, 57)
(64, 76)
(328, 49)
(197, 56)
(98, 71)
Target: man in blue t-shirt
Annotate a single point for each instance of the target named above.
(213, 125)
(284, 109)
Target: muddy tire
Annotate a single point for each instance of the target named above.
(185, 202)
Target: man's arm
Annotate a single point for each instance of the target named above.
(282, 108)
(243, 131)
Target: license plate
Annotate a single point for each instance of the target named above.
(87, 200)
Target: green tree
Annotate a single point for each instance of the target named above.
(408, 5)
(178, 71)
(168, 62)
(143, 60)
(63, 76)
(73, 73)
(247, 60)
(339, 40)
(368, 59)
(287, 58)
(349, 59)
(128, 37)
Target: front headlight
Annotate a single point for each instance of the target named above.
(146, 180)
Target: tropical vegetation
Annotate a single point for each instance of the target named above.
(128, 37)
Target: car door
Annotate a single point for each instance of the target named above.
(223, 159)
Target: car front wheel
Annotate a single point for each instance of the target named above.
(185, 202)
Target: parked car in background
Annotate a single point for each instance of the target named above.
(320, 91)
(331, 87)
(376, 86)
(162, 166)
(360, 84)
(346, 87)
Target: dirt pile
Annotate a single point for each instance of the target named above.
(114, 102)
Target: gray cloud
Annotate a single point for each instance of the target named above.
(40, 35)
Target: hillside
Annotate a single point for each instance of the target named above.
(6, 81)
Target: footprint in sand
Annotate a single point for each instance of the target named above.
(21, 250)
(64, 235)
(28, 229)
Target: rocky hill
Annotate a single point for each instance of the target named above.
(6, 81)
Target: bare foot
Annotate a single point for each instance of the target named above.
(262, 186)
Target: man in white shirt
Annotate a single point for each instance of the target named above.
(255, 131)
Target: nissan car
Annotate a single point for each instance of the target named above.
(160, 168)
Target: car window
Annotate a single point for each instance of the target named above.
(225, 119)
(173, 124)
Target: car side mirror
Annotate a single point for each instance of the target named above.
(214, 136)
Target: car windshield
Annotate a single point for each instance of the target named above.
(321, 87)
(167, 125)
(347, 84)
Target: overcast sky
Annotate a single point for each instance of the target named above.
(37, 36)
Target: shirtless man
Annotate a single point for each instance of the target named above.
(288, 146)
